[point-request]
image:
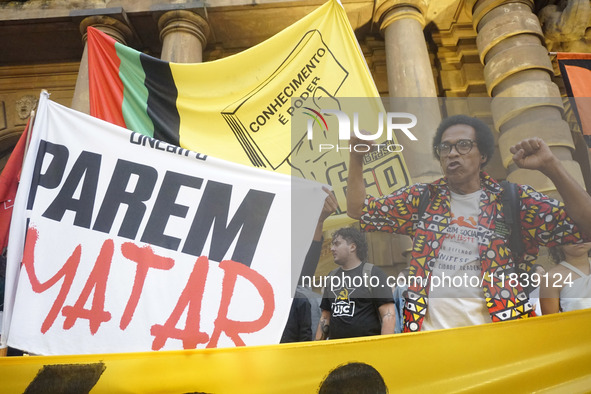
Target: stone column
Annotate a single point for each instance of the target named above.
(411, 89)
(114, 28)
(184, 35)
(410, 75)
(518, 71)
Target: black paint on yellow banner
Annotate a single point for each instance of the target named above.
(66, 378)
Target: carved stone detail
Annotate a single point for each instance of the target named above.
(24, 106)
(566, 29)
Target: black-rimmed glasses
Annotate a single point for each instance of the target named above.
(463, 147)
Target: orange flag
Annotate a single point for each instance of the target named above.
(576, 72)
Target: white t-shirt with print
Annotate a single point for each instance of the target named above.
(456, 298)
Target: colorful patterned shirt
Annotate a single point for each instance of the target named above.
(543, 222)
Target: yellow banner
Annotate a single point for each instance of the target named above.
(544, 354)
(241, 107)
(288, 104)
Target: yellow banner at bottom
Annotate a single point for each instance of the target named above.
(544, 354)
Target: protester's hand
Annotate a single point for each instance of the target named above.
(330, 204)
(532, 154)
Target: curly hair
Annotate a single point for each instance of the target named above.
(556, 254)
(352, 235)
(485, 139)
(354, 377)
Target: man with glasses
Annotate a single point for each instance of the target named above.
(461, 266)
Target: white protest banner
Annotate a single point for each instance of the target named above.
(132, 244)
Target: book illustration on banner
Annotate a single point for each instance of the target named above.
(260, 137)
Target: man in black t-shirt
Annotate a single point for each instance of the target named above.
(357, 300)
